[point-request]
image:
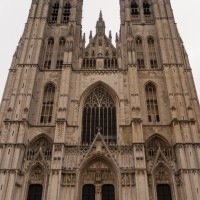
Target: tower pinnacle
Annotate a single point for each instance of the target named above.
(100, 27)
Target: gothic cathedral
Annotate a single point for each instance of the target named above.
(100, 121)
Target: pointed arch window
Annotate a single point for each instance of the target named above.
(66, 13)
(139, 52)
(152, 53)
(48, 53)
(48, 104)
(61, 50)
(35, 192)
(152, 104)
(54, 13)
(146, 7)
(134, 8)
(99, 113)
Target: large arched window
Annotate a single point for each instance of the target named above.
(139, 52)
(61, 53)
(48, 53)
(134, 8)
(54, 12)
(152, 104)
(152, 53)
(146, 7)
(99, 115)
(48, 103)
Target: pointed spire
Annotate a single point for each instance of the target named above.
(90, 37)
(100, 16)
(110, 36)
(116, 37)
(83, 38)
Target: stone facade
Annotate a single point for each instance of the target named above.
(148, 140)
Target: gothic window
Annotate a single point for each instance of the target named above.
(152, 104)
(134, 8)
(152, 53)
(48, 53)
(47, 105)
(164, 192)
(60, 53)
(110, 63)
(146, 7)
(139, 52)
(88, 192)
(108, 192)
(42, 146)
(89, 63)
(35, 192)
(54, 12)
(157, 144)
(66, 13)
(99, 114)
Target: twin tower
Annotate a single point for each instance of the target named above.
(100, 121)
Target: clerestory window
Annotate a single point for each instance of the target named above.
(99, 115)
(48, 104)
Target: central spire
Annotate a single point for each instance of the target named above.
(100, 27)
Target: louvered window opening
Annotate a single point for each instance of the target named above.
(146, 7)
(66, 13)
(47, 105)
(48, 53)
(99, 114)
(152, 54)
(152, 104)
(134, 8)
(139, 53)
(61, 53)
(54, 13)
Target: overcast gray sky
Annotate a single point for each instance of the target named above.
(14, 14)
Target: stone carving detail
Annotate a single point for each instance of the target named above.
(41, 147)
(128, 179)
(69, 179)
(98, 172)
(162, 175)
(37, 175)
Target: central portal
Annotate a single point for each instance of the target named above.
(98, 182)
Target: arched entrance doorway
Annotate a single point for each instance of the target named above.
(98, 181)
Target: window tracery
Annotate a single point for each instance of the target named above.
(48, 104)
(152, 104)
(139, 52)
(61, 49)
(42, 146)
(152, 53)
(48, 53)
(155, 145)
(99, 112)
